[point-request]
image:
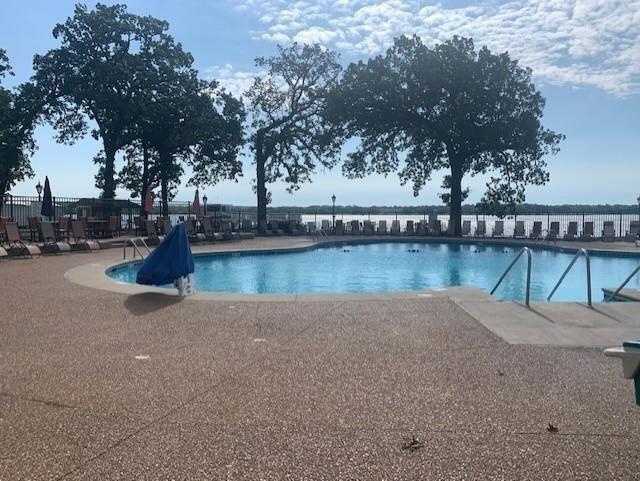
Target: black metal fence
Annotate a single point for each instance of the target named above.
(20, 208)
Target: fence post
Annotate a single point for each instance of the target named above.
(53, 200)
(620, 229)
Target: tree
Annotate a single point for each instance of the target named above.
(289, 136)
(447, 107)
(102, 64)
(18, 113)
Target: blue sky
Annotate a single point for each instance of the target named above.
(585, 55)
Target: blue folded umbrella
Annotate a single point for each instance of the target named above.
(171, 260)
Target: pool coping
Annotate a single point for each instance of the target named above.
(94, 274)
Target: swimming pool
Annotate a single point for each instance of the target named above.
(402, 266)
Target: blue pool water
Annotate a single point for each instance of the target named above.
(390, 267)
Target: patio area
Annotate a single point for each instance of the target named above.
(103, 385)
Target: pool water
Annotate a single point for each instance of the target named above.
(383, 267)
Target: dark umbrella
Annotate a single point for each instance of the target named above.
(47, 201)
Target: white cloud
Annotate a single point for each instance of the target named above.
(234, 81)
(573, 42)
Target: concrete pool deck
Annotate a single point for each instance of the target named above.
(103, 385)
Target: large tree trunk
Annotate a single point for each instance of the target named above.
(455, 206)
(109, 188)
(165, 163)
(145, 180)
(261, 189)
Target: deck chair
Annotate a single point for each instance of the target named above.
(536, 233)
(608, 231)
(355, 227)
(339, 227)
(466, 227)
(49, 243)
(275, 228)
(587, 231)
(114, 225)
(15, 245)
(79, 237)
(395, 227)
(166, 226)
(633, 232)
(325, 225)
(152, 234)
(293, 228)
(137, 224)
(246, 225)
(311, 228)
(498, 229)
(436, 227)
(572, 231)
(554, 231)
(209, 231)
(192, 234)
(421, 228)
(382, 227)
(368, 228)
(518, 231)
(481, 229)
(431, 225)
(34, 228)
(409, 229)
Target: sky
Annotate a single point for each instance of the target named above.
(585, 57)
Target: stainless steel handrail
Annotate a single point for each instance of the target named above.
(515, 259)
(581, 252)
(135, 247)
(626, 281)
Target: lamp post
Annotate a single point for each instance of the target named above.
(333, 212)
(39, 190)
(204, 199)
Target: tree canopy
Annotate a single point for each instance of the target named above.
(418, 109)
(18, 112)
(101, 72)
(289, 136)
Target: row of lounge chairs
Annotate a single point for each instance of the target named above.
(48, 244)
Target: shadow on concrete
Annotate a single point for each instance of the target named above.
(148, 302)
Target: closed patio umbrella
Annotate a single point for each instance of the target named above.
(47, 200)
(196, 204)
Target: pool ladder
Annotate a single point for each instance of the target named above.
(624, 283)
(136, 248)
(524, 250)
(581, 252)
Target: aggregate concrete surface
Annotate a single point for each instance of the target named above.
(97, 385)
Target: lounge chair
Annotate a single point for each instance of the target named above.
(137, 225)
(587, 231)
(466, 227)
(246, 225)
(572, 231)
(518, 231)
(165, 224)
(15, 246)
(608, 231)
(409, 228)
(421, 228)
(368, 228)
(481, 229)
(209, 232)
(536, 233)
(80, 241)
(152, 234)
(50, 245)
(395, 227)
(275, 228)
(554, 231)
(339, 227)
(431, 225)
(382, 227)
(633, 232)
(311, 228)
(436, 228)
(498, 229)
(192, 234)
(34, 228)
(355, 227)
(114, 226)
(325, 226)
